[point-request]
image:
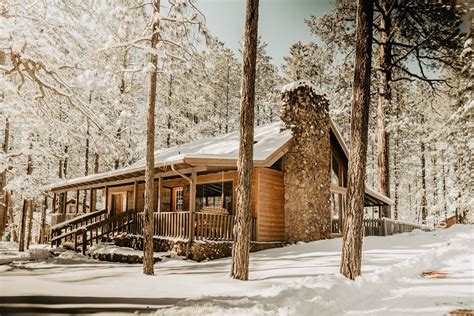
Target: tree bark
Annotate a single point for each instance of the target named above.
(29, 170)
(65, 164)
(31, 210)
(445, 200)
(241, 247)
(424, 209)
(60, 170)
(21, 241)
(352, 230)
(395, 166)
(3, 183)
(227, 91)
(168, 136)
(117, 159)
(434, 201)
(385, 60)
(44, 206)
(150, 148)
(96, 163)
(86, 167)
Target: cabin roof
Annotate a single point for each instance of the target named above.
(268, 139)
(270, 144)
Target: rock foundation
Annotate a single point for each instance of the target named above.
(198, 250)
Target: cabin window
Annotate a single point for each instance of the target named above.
(178, 200)
(335, 171)
(217, 194)
(337, 207)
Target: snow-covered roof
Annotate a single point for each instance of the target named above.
(267, 140)
(270, 144)
(222, 150)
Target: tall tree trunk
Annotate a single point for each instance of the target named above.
(9, 209)
(60, 169)
(3, 182)
(29, 170)
(424, 209)
(396, 180)
(31, 210)
(44, 206)
(86, 166)
(445, 200)
(65, 164)
(352, 230)
(169, 103)
(168, 136)
(409, 199)
(227, 91)
(241, 247)
(96, 163)
(150, 148)
(21, 241)
(395, 166)
(385, 59)
(117, 159)
(434, 202)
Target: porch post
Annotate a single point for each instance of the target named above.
(77, 201)
(64, 202)
(54, 203)
(91, 201)
(135, 195)
(192, 205)
(106, 192)
(160, 187)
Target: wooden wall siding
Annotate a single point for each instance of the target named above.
(128, 189)
(269, 201)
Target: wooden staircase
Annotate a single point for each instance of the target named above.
(85, 230)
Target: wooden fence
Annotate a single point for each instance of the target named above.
(380, 227)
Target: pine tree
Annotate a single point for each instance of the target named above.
(150, 147)
(352, 231)
(426, 32)
(241, 246)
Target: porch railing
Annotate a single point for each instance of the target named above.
(94, 232)
(65, 229)
(380, 227)
(205, 226)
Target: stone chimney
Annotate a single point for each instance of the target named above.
(307, 164)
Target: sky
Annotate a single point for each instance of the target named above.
(281, 22)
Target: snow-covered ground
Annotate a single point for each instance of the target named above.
(297, 280)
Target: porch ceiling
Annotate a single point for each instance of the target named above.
(121, 176)
(373, 198)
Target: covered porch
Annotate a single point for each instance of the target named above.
(191, 203)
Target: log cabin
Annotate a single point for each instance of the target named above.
(298, 186)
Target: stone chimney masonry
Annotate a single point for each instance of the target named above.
(307, 164)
